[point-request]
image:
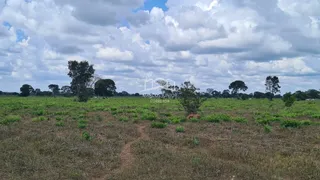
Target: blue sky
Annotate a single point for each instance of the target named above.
(208, 42)
(149, 4)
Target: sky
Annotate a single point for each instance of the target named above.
(134, 42)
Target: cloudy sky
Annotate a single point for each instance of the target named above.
(208, 42)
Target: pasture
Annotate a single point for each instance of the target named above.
(139, 138)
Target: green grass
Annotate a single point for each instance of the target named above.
(10, 119)
(158, 125)
(180, 129)
(87, 140)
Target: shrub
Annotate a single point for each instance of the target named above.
(159, 125)
(317, 116)
(151, 116)
(59, 118)
(306, 122)
(240, 120)
(194, 120)
(10, 119)
(39, 119)
(59, 124)
(291, 123)
(189, 98)
(86, 136)
(179, 129)
(288, 99)
(267, 128)
(175, 120)
(195, 141)
(39, 112)
(82, 124)
(212, 119)
(124, 119)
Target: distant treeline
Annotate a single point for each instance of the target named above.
(65, 91)
(84, 85)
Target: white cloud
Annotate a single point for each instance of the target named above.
(210, 42)
(114, 54)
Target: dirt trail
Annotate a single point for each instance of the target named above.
(126, 155)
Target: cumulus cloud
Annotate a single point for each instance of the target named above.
(211, 42)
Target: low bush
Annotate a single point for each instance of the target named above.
(179, 129)
(39, 119)
(159, 125)
(240, 120)
(10, 119)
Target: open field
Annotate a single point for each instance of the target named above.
(135, 138)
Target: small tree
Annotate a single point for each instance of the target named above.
(189, 98)
(26, 90)
(54, 88)
(236, 86)
(289, 99)
(272, 86)
(81, 74)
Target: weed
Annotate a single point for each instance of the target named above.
(179, 129)
(59, 118)
(159, 125)
(291, 123)
(317, 116)
(124, 119)
(10, 119)
(151, 116)
(39, 119)
(196, 141)
(267, 128)
(194, 120)
(240, 120)
(86, 136)
(59, 124)
(39, 112)
(306, 122)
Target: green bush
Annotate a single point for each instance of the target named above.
(10, 119)
(124, 119)
(317, 116)
(59, 124)
(175, 120)
(196, 141)
(306, 122)
(212, 118)
(194, 120)
(86, 136)
(179, 129)
(39, 112)
(151, 116)
(267, 128)
(59, 118)
(159, 125)
(240, 120)
(291, 123)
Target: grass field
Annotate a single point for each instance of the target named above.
(135, 138)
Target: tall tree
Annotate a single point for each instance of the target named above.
(272, 86)
(105, 87)
(81, 73)
(26, 90)
(236, 86)
(54, 88)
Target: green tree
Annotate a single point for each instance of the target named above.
(272, 86)
(289, 99)
(26, 90)
(54, 88)
(189, 98)
(81, 74)
(236, 86)
(105, 88)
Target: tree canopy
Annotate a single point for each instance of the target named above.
(236, 86)
(105, 88)
(81, 74)
(26, 90)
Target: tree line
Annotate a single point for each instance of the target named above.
(84, 85)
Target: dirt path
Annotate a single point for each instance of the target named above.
(126, 155)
